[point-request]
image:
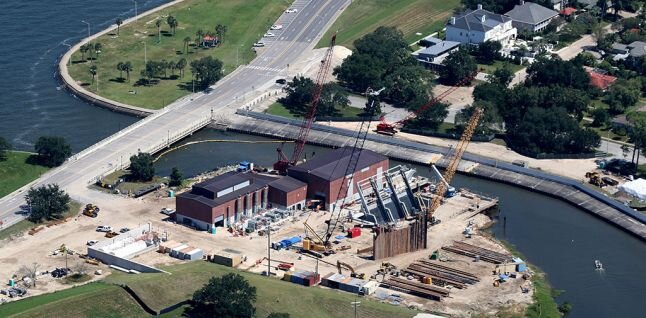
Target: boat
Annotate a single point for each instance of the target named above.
(597, 265)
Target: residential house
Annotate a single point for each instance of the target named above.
(634, 50)
(433, 55)
(600, 80)
(531, 17)
(478, 26)
(560, 4)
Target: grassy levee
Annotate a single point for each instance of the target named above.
(16, 171)
(90, 300)
(279, 109)
(246, 22)
(409, 16)
(161, 290)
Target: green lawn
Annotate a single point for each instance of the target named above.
(161, 290)
(90, 300)
(246, 22)
(16, 172)
(279, 109)
(409, 16)
(129, 186)
(489, 69)
(74, 208)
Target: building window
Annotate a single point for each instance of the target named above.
(460, 33)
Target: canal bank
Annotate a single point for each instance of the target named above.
(554, 235)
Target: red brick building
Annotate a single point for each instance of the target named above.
(229, 197)
(324, 173)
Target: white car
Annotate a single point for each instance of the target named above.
(269, 35)
(276, 27)
(91, 242)
(104, 228)
(291, 10)
(259, 44)
(167, 211)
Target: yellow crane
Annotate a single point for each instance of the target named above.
(454, 160)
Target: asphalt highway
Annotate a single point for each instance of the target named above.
(300, 32)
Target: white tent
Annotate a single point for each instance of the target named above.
(636, 188)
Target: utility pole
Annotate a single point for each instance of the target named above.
(136, 15)
(355, 304)
(268, 248)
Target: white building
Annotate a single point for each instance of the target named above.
(478, 26)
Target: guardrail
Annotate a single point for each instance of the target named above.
(467, 156)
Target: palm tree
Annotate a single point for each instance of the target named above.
(181, 64)
(187, 40)
(97, 49)
(218, 31)
(93, 72)
(127, 67)
(164, 65)
(199, 35)
(171, 66)
(224, 32)
(158, 24)
(120, 68)
(172, 23)
(83, 49)
(119, 22)
(90, 50)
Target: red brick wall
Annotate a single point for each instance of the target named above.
(296, 196)
(336, 184)
(194, 209)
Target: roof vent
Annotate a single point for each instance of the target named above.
(522, 2)
(483, 18)
(479, 7)
(452, 21)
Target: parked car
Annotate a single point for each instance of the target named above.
(259, 44)
(291, 10)
(281, 81)
(104, 228)
(276, 27)
(91, 242)
(269, 35)
(124, 230)
(167, 211)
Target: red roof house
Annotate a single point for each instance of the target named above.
(601, 81)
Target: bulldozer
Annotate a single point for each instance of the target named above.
(340, 265)
(594, 178)
(91, 210)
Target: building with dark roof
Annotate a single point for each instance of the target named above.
(324, 173)
(531, 17)
(433, 55)
(479, 26)
(232, 196)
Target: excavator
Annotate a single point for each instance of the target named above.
(340, 265)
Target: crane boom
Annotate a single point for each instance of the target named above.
(454, 160)
(283, 162)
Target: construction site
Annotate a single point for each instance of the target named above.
(344, 220)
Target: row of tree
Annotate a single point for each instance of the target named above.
(159, 69)
(299, 96)
(92, 50)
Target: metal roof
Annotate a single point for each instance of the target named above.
(531, 13)
(287, 184)
(332, 164)
(637, 48)
(439, 48)
(473, 20)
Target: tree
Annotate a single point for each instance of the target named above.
(333, 98)
(97, 48)
(158, 23)
(30, 271)
(172, 23)
(229, 295)
(127, 67)
(373, 106)
(622, 95)
(46, 202)
(187, 41)
(83, 49)
(90, 51)
(430, 118)
(565, 308)
(458, 66)
(121, 68)
(199, 35)
(207, 71)
(490, 121)
(119, 22)
(547, 72)
(488, 52)
(5, 146)
(601, 117)
(407, 86)
(93, 70)
(219, 31)
(175, 178)
(502, 76)
(52, 151)
(299, 94)
(141, 167)
(181, 64)
(278, 315)
(224, 32)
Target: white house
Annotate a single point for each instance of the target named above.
(478, 26)
(531, 17)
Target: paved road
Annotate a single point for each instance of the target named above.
(300, 32)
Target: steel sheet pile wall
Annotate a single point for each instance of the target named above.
(392, 242)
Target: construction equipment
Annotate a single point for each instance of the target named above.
(340, 265)
(391, 129)
(313, 241)
(454, 160)
(91, 210)
(594, 178)
(283, 162)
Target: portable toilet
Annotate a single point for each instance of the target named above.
(171, 193)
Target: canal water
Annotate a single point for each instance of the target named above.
(562, 240)
(559, 238)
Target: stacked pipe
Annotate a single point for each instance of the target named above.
(416, 288)
(475, 251)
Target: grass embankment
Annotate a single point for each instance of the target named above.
(279, 109)
(129, 186)
(409, 16)
(17, 170)
(162, 290)
(73, 208)
(247, 21)
(90, 300)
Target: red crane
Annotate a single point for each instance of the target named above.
(283, 162)
(391, 129)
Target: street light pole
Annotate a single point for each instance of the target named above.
(355, 304)
(136, 15)
(145, 54)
